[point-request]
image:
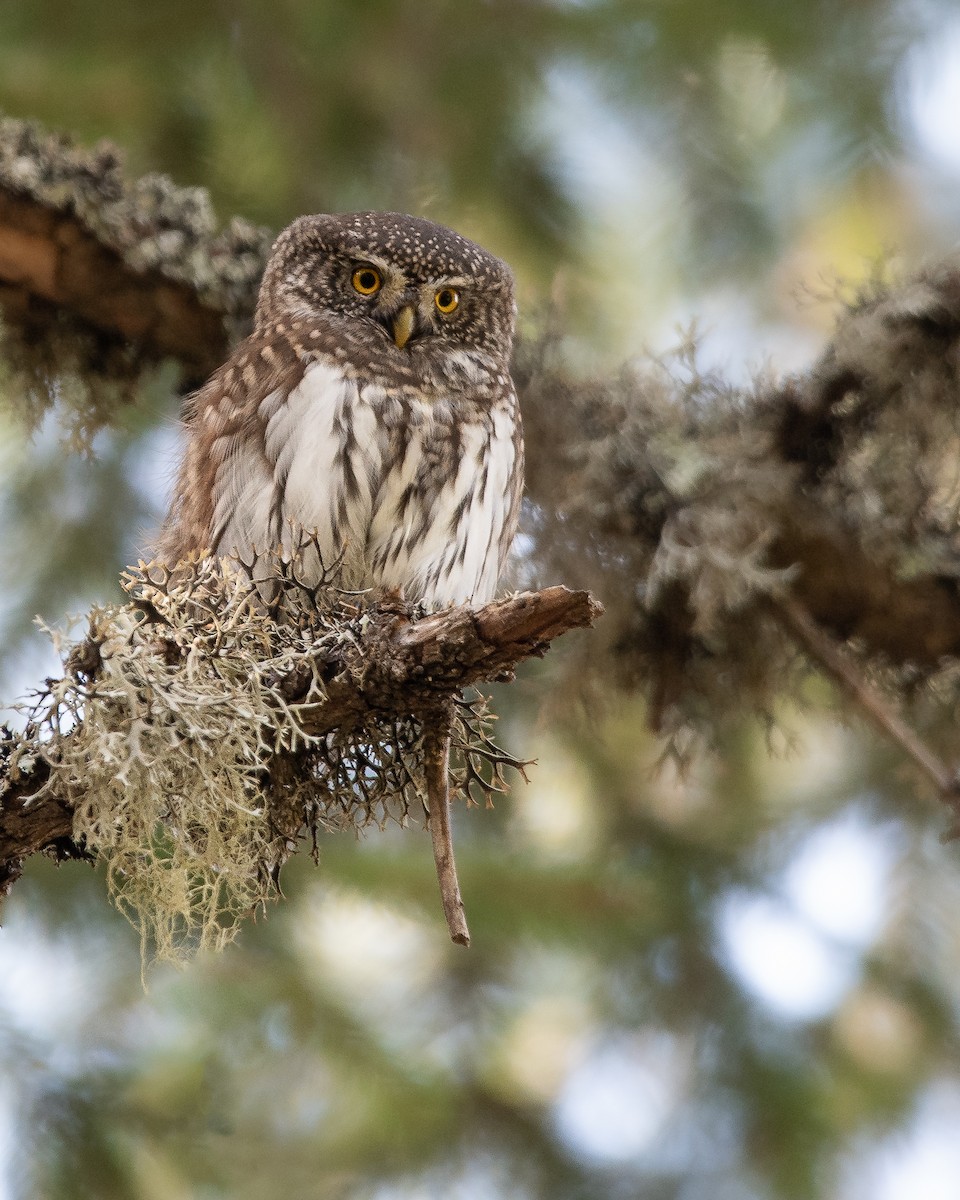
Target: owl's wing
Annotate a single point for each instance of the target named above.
(226, 464)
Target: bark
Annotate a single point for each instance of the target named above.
(111, 274)
(50, 264)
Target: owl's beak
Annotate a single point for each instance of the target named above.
(403, 325)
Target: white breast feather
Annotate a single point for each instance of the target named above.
(302, 481)
(305, 440)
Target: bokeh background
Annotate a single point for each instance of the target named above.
(740, 984)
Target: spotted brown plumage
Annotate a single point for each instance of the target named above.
(371, 408)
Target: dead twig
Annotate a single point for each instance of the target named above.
(831, 657)
(437, 772)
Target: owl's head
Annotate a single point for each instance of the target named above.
(408, 287)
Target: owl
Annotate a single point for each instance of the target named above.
(371, 409)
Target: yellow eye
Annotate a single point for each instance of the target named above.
(366, 280)
(447, 300)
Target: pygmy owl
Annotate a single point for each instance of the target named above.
(371, 408)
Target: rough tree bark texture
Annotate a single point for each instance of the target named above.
(50, 263)
(135, 265)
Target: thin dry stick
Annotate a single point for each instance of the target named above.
(829, 655)
(437, 756)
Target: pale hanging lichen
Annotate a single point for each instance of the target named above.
(180, 735)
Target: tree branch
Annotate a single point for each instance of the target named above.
(437, 762)
(398, 668)
(141, 263)
(50, 264)
(835, 663)
(138, 266)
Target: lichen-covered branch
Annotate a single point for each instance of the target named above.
(687, 503)
(49, 263)
(225, 722)
(117, 274)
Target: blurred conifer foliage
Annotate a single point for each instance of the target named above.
(736, 980)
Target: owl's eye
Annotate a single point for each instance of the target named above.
(447, 300)
(366, 280)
